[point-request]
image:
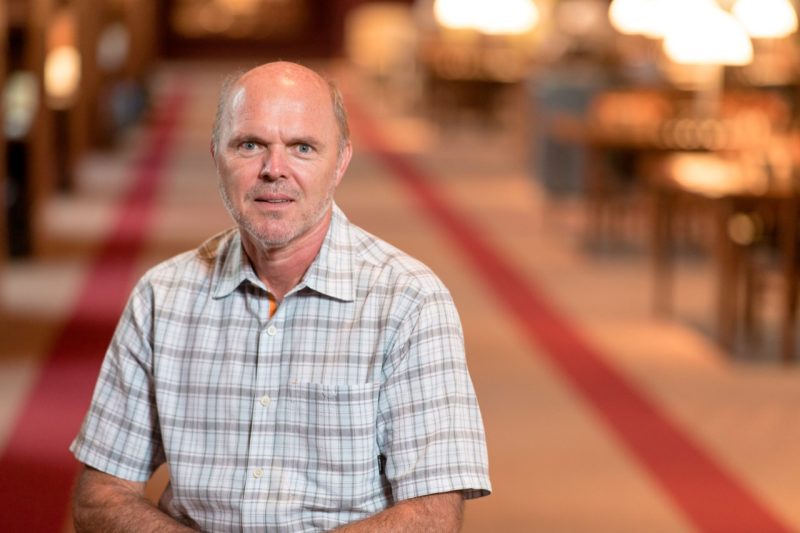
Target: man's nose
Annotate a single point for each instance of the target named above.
(274, 164)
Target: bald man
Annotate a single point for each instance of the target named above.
(295, 373)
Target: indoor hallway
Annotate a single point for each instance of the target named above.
(600, 416)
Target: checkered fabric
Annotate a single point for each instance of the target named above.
(355, 394)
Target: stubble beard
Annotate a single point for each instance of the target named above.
(272, 235)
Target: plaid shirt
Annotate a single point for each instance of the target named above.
(355, 394)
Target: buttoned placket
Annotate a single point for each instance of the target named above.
(261, 478)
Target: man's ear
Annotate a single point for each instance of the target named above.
(212, 149)
(344, 161)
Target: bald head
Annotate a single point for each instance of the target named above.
(280, 73)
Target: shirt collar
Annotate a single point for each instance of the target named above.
(331, 273)
(233, 267)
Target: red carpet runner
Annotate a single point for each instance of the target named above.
(36, 469)
(710, 498)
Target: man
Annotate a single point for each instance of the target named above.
(295, 373)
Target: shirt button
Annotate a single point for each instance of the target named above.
(258, 473)
(264, 400)
(272, 330)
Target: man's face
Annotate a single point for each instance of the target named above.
(278, 158)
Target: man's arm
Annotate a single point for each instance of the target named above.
(106, 503)
(439, 513)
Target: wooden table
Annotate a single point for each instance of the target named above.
(676, 156)
(730, 189)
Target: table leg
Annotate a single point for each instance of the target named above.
(789, 251)
(663, 204)
(728, 258)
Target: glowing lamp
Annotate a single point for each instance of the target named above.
(62, 75)
(631, 17)
(20, 101)
(766, 18)
(579, 17)
(710, 36)
(62, 62)
(113, 46)
(494, 17)
(654, 18)
(241, 7)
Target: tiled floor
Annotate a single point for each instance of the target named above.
(557, 464)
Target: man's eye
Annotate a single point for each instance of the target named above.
(248, 145)
(304, 148)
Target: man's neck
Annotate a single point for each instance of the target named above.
(281, 268)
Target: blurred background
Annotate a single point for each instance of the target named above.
(609, 189)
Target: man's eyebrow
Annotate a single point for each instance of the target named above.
(242, 137)
(252, 137)
(306, 139)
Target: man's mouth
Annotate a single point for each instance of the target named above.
(271, 199)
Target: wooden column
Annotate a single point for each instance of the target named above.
(3, 200)
(79, 114)
(40, 141)
(141, 20)
(28, 151)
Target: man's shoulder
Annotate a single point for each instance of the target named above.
(194, 265)
(391, 264)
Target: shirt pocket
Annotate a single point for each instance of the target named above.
(331, 431)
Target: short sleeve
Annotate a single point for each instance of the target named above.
(429, 424)
(120, 434)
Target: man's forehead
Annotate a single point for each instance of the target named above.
(256, 112)
(284, 76)
(283, 89)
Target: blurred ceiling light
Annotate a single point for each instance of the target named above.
(579, 17)
(711, 36)
(632, 17)
(20, 101)
(113, 46)
(510, 17)
(766, 18)
(381, 37)
(241, 7)
(652, 18)
(214, 18)
(62, 61)
(62, 75)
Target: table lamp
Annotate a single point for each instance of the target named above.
(709, 39)
(766, 19)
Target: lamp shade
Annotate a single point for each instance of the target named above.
(710, 36)
(652, 18)
(113, 47)
(631, 17)
(510, 17)
(62, 63)
(20, 100)
(766, 18)
(62, 74)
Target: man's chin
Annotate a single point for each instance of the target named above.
(273, 239)
(266, 237)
